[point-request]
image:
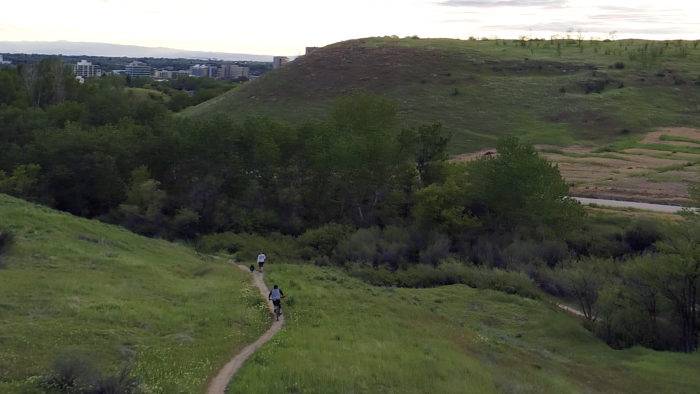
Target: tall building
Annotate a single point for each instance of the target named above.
(163, 74)
(233, 71)
(138, 69)
(199, 70)
(85, 69)
(279, 61)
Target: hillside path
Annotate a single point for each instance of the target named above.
(220, 382)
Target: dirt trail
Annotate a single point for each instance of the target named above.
(220, 382)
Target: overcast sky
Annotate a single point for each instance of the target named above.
(285, 27)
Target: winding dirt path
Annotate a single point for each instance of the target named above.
(220, 382)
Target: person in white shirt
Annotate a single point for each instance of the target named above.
(261, 261)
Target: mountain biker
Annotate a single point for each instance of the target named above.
(276, 295)
(261, 260)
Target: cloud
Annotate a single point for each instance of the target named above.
(504, 3)
(588, 27)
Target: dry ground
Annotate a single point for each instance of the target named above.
(657, 169)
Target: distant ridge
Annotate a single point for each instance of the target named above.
(117, 50)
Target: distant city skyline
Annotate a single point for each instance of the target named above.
(279, 27)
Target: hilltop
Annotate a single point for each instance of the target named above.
(551, 92)
(74, 287)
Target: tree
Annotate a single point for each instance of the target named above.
(517, 187)
(583, 280)
(142, 211)
(24, 181)
(678, 277)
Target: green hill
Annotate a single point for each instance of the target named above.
(554, 92)
(71, 285)
(344, 336)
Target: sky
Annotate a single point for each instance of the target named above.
(285, 27)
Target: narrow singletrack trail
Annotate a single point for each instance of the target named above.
(221, 380)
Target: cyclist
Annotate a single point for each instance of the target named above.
(276, 295)
(261, 261)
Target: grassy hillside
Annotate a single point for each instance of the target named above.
(80, 286)
(345, 336)
(554, 92)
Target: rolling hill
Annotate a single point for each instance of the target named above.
(345, 336)
(552, 92)
(74, 286)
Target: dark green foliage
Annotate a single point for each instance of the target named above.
(246, 247)
(325, 239)
(6, 239)
(447, 273)
(642, 235)
(76, 373)
(520, 188)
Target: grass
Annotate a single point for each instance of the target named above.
(504, 87)
(345, 336)
(71, 284)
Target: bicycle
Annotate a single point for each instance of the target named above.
(278, 310)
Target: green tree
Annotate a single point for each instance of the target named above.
(24, 181)
(517, 188)
(678, 277)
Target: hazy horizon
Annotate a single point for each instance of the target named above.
(285, 28)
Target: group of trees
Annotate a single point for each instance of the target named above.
(354, 189)
(649, 298)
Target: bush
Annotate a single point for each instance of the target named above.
(619, 65)
(6, 239)
(448, 273)
(642, 235)
(247, 246)
(72, 372)
(75, 372)
(391, 246)
(436, 250)
(325, 239)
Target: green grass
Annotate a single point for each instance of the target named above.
(145, 93)
(72, 284)
(345, 336)
(504, 88)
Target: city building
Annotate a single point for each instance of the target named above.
(163, 74)
(279, 61)
(137, 69)
(199, 70)
(85, 69)
(181, 74)
(233, 71)
(4, 62)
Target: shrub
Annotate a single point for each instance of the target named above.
(122, 382)
(75, 372)
(391, 246)
(448, 273)
(325, 239)
(72, 372)
(642, 235)
(6, 239)
(247, 246)
(619, 65)
(436, 250)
